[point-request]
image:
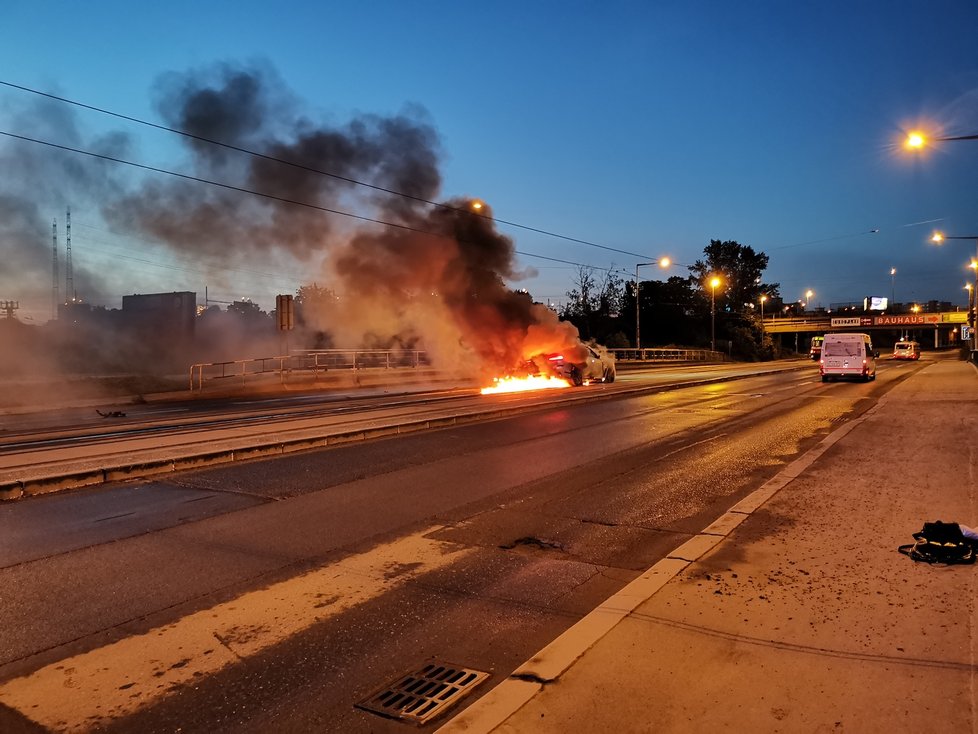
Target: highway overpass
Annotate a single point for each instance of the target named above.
(935, 330)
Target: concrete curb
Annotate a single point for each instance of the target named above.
(546, 667)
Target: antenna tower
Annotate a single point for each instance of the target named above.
(54, 269)
(69, 275)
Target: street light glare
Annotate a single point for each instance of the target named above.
(715, 282)
(664, 262)
(916, 140)
(937, 238)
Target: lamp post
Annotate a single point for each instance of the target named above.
(763, 299)
(714, 282)
(808, 298)
(939, 237)
(892, 287)
(662, 262)
(917, 140)
(971, 296)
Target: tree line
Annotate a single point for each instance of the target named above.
(678, 311)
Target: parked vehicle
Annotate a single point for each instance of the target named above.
(905, 349)
(848, 356)
(816, 351)
(587, 365)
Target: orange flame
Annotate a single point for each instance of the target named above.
(522, 384)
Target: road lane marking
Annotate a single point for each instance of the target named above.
(91, 689)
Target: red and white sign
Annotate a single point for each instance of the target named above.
(908, 320)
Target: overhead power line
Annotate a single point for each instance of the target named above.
(310, 169)
(243, 190)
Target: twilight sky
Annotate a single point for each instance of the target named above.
(648, 128)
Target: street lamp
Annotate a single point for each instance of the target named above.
(714, 282)
(937, 238)
(662, 262)
(892, 286)
(808, 297)
(763, 299)
(916, 140)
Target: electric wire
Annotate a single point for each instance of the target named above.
(310, 169)
(281, 199)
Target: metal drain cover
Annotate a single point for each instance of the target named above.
(424, 694)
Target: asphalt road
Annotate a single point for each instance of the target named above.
(274, 595)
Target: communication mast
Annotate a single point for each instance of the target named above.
(54, 269)
(69, 275)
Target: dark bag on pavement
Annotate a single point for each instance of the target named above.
(940, 542)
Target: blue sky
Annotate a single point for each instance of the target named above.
(647, 127)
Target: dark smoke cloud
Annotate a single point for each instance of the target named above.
(248, 108)
(438, 282)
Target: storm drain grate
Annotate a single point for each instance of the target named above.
(424, 694)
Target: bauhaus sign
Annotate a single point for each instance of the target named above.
(908, 320)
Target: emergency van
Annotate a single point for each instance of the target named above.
(816, 351)
(848, 356)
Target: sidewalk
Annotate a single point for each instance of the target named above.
(794, 612)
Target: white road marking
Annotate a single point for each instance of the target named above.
(92, 688)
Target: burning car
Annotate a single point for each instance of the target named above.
(583, 366)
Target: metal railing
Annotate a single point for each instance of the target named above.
(661, 354)
(309, 361)
(317, 361)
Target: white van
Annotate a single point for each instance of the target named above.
(848, 355)
(906, 349)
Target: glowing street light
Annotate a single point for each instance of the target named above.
(714, 282)
(662, 262)
(917, 140)
(892, 286)
(763, 299)
(938, 238)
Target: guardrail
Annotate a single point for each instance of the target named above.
(660, 354)
(311, 361)
(314, 361)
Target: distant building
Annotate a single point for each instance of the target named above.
(162, 317)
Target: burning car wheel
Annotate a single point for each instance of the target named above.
(575, 376)
(609, 376)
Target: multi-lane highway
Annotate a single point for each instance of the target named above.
(52, 444)
(279, 594)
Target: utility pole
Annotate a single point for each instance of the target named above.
(69, 275)
(54, 269)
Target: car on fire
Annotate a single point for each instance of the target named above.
(583, 366)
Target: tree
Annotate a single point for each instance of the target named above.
(739, 269)
(595, 306)
(581, 301)
(313, 303)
